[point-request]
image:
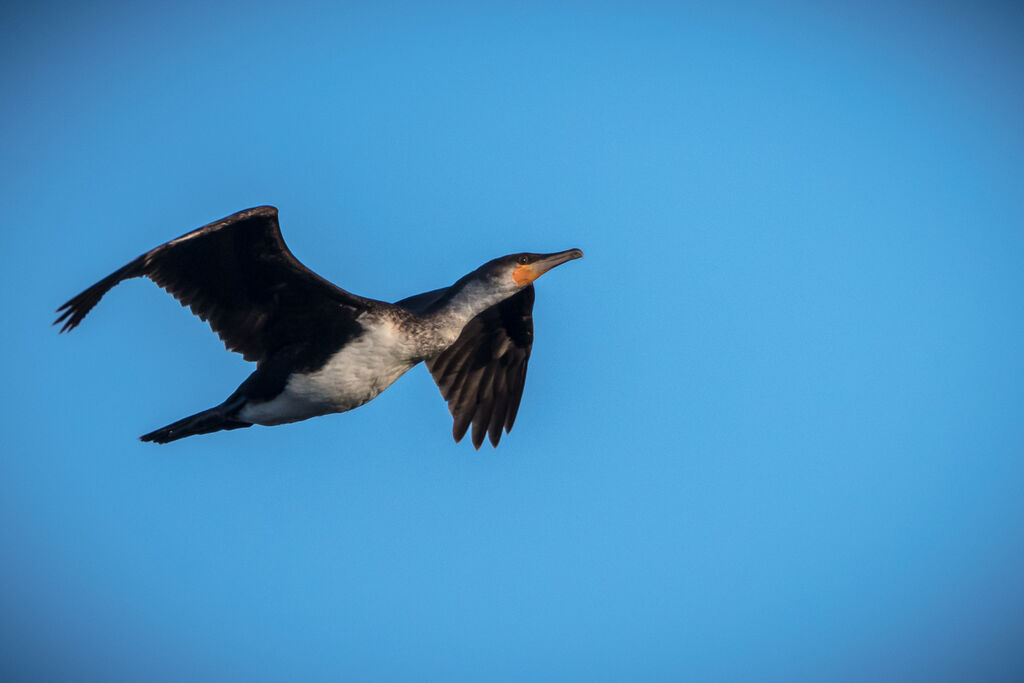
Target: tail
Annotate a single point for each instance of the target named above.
(212, 420)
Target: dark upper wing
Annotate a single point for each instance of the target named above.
(422, 303)
(238, 275)
(482, 374)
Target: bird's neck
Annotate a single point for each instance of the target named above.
(464, 301)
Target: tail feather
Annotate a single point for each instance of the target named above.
(212, 420)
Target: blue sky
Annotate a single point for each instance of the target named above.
(772, 426)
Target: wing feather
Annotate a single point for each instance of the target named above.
(482, 374)
(237, 275)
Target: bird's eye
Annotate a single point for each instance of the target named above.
(522, 260)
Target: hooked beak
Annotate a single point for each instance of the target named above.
(526, 274)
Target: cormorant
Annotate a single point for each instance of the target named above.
(319, 349)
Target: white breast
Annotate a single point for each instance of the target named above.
(354, 375)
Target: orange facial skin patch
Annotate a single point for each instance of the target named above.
(524, 275)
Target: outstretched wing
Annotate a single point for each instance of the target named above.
(482, 374)
(239, 276)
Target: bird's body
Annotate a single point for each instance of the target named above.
(355, 374)
(320, 349)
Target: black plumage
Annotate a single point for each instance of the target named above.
(482, 374)
(238, 275)
(321, 349)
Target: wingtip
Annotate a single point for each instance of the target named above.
(459, 435)
(65, 316)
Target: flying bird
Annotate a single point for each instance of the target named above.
(319, 349)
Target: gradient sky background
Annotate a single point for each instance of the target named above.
(772, 429)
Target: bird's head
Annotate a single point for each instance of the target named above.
(515, 271)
